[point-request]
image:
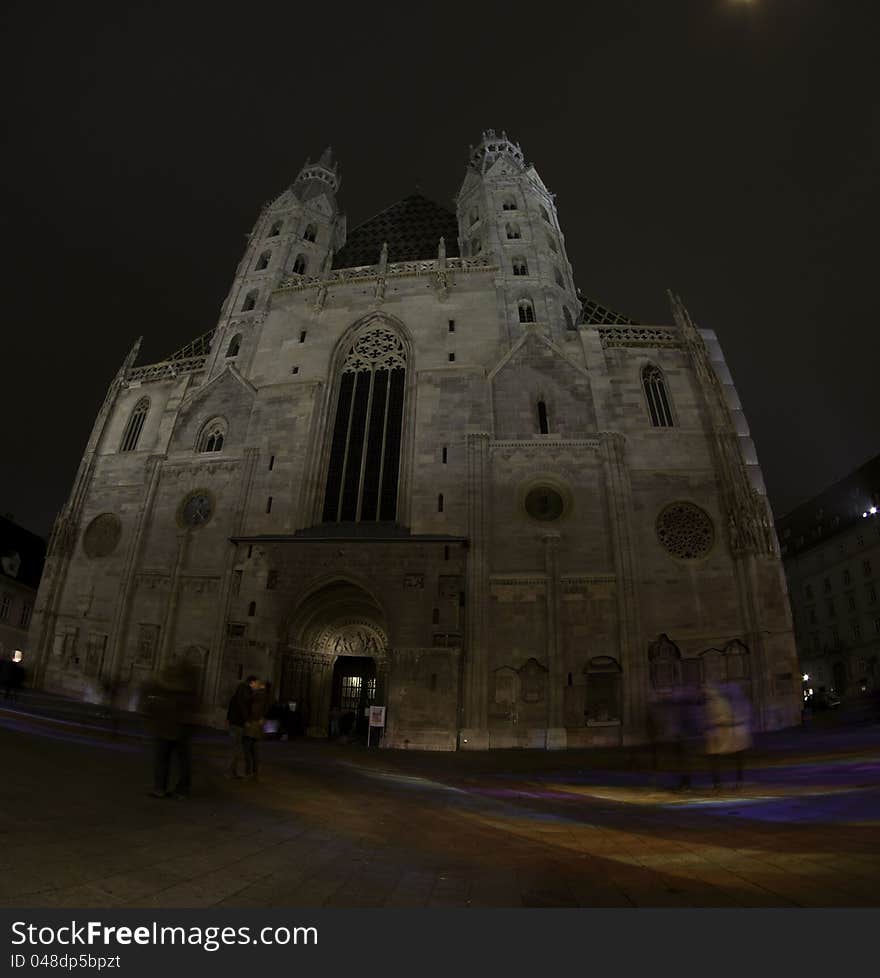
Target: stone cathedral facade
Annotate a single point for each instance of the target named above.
(414, 466)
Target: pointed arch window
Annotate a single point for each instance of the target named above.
(275, 230)
(655, 394)
(263, 261)
(212, 437)
(508, 204)
(364, 467)
(569, 322)
(543, 422)
(234, 346)
(299, 265)
(310, 233)
(526, 311)
(520, 266)
(513, 232)
(250, 301)
(135, 425)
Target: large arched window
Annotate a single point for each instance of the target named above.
(250, 301)
(234, 346)
(299, 266)
(263, 260)
(364, 463)
(212, 437)
(656, 396)
(135, 425)
(526, 311)
(569, 322)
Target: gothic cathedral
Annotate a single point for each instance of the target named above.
(413, 466)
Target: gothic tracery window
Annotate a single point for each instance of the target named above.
(234, 346)
(135, 425)
(526, 311)
(508, 204)
(520, 266)
(212, 437)
(657, 398)
(513, 231)
(365, 447)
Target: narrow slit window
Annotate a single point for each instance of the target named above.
(451, 325)
(302, 336)
(543, 426)
(269, 505)
(440, 502)
(271, 462)
(252, 609)
(444, 455)
(451, 357)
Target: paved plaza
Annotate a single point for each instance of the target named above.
(337, 825)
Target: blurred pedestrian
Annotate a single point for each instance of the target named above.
(662, 732)
(237, 715)
(170, 703)
(688, 731)
(728, 729)
(253, 729)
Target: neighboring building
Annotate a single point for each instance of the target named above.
(412, 466)
(831, 551)
(22, 554)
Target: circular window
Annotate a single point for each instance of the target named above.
(685, 530)
(544, 503)
(197, 508)
(102, 535)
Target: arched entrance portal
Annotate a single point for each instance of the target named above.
(335, 661)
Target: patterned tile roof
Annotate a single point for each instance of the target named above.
(412, 228)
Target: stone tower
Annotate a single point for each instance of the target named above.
(507, 213)
(295, 234)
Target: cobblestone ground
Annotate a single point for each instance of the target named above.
(339, 826)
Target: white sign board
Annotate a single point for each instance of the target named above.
(377, 716)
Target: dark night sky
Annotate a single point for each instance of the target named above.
(725, 149)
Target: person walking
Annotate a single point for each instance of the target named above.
(170, 703)
(728, 729)
(253, 729)
(237, 715)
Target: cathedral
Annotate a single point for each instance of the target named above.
(413, 466)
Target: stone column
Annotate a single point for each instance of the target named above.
(633, 651)
(169, 626)
(557, 737)
(474, 733)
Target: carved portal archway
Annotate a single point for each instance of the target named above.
(336, 656)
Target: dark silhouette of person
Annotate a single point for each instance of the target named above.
(253, 729)
(237, 715)
(170, 704)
